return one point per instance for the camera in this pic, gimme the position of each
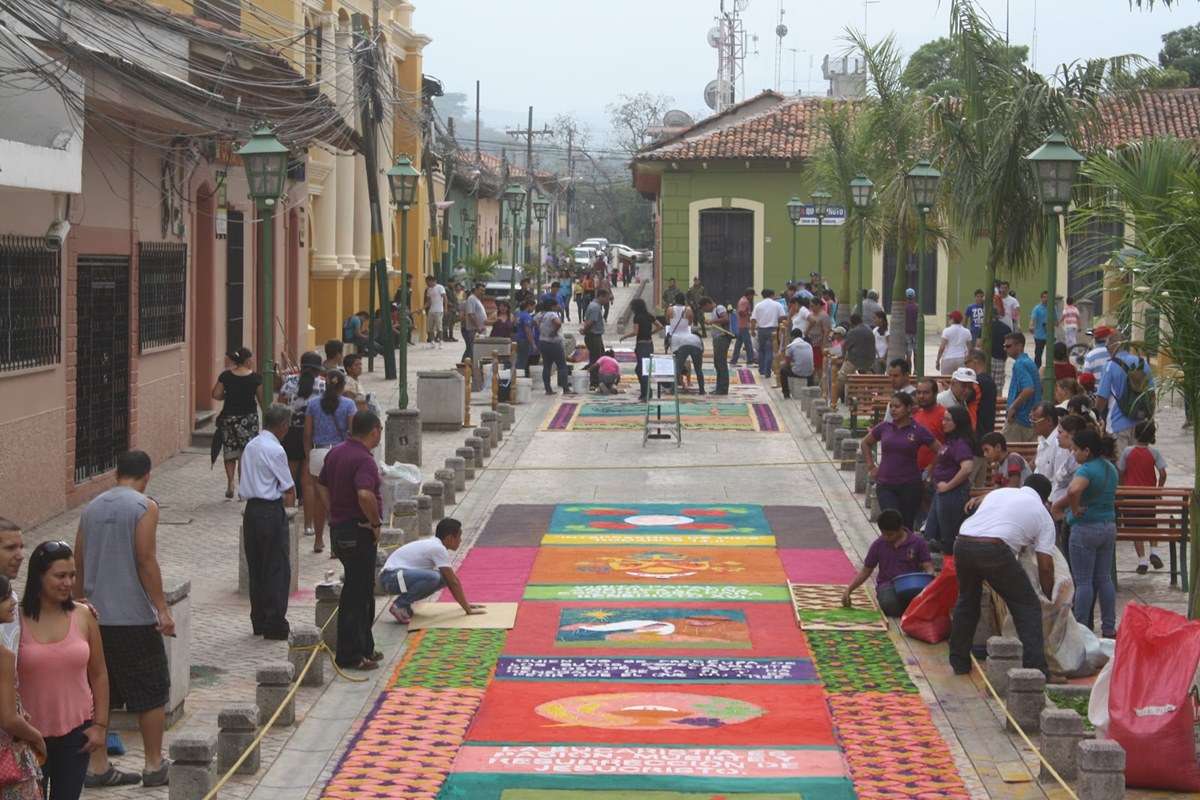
(56, 234)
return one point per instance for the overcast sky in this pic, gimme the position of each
(578, 55)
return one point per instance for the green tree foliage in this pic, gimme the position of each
(934, 68)
(1181, 51)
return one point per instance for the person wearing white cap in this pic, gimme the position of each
(963, 391)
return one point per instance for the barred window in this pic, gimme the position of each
(30, 303)
(162, 295)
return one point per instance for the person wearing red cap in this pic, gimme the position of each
(1096, 361)
(956, 343)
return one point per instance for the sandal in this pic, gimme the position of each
(318, 548)
(111, 777)
(364, 665)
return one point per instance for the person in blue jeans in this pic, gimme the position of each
(1090, 504)
(1037, 326)
(418, 569)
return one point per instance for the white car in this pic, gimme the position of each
(583, 257)
(497, 286)
(625, 251)
(597, 243)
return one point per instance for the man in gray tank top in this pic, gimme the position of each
(118, 573)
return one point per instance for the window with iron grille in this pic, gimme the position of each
(162, 296)
(30, 304)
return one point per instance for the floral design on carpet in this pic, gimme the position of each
(647, 711)
(449, 658)
(842, 619)
(893, 748)
(407, 745)
(659, 565)
(818, 596)
(655, 627)
(858, 661)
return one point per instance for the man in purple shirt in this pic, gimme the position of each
(898, 551)
(349, 488)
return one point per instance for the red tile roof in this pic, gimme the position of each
(1151, 114)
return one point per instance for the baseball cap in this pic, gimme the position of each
(311, 359)
(965, 375)
(839, 331)
(956, 316)
(910, 292)
(1103, 332)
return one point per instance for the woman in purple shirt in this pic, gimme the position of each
(952, 479)
(898, 482)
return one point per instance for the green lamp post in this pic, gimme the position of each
(862, 193)
(265, 159)
(922, 183)
(402, 180)
(514, 195)
(541, 207)
(1055, 165)
(795, 209)
(820, 201)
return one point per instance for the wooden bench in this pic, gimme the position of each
(1157, 514)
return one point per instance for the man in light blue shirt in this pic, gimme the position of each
(797, 363)
(1112, 385)
(1024, 391)
(1037, 326)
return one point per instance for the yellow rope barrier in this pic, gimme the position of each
(1017, 726)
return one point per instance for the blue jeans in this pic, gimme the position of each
(523, 356)
(419, 583)
(766, 351)
(742, 340)
(946, 516)
(1093, 547)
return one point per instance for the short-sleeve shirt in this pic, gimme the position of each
(894, 561)
(720, 316)
(436, 297)
(428, 553)
(1012, 311)
(240, 391)
(975, 315)
(910, 317)
(348, 468)
(1112, 386)
(1139, 465)
(1096, 361)
(931, 420)
(958, 341)
(1012, 465)
(767, 314)
(1024, 376)
(950, 459)
(1039, 321)
(594, 316)
(1100, 496)
(607, 365)
(330, 429)
(548, 332)
(524, 325)
(1018, 517)
(476, 318)
(743, 313)
(801, 354)
(898, 447)
(1070, 317)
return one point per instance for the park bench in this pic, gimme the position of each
(1157, 514)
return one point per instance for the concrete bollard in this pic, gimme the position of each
(873, 508)
(301, 641)
(508, 415)
(1062, 731)
(1026, 699)
(491, 421)
(823, 428)
(237, 726)
(193, 771)
(404, 517)
(424, 516)
(274, 683)
(328, 593)
(815, 411)
(476, 444)
(848, 451)
(1101, 770)
(860, 469)
(391, 538)
(437, 507)
(485, 435)
(1004, 653)
(446, 478)
(402, 436)
(467, 454)
(381, 557)
(460, 472)
(832, 423)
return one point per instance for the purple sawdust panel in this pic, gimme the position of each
(515, 526)
(804, 527)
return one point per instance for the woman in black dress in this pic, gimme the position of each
(644, 327)
(238, 387)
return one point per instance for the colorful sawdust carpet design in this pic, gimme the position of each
(448, 658)
(858, 661)
(693, 415)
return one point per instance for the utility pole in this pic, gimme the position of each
(477, 122)
(529, 133)
(570, 177)
(370, 111)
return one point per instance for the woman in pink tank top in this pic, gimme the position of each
(64, 682)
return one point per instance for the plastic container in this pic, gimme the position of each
(911, 584)
(524, 390)
(580, 381)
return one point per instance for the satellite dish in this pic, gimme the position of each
(781, 30)
(677, 119)
(715, 90)
(714, 37)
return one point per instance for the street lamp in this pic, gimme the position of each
(541, 206)
(1055, 165)
(820, 201)
(402, 180)
(515, 196)
(922, 183)
(795, 209)
(862, 193)
(265, 159)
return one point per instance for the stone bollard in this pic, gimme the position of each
(301, 641)
(1026, 699)
(485, 435)
(437, 507)
(460, 472)
(832, 423)
(872, 505)
(328, 593)
(815, 411)
(860, 469)
(193, 772)
(1062, 731)
(274, 683)
(824, 427)
(237, 726)
(404, 517)
(476, 444)
(424, 516)
(446, 478)
(807, 395)
(391, 538)
(848, 451)
(402, 436)
(508, 415)
(1101, 770)
(467, 454)
(381, 557)
(1004, 653)
(491, 421)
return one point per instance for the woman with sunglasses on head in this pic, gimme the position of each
(16, 733)
(61, 670)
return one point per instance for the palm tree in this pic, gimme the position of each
(479, 267)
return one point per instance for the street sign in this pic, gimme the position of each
(834, 215)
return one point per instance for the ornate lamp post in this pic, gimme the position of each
(1055, 164)
(266, 160)
(820, 201)
(922, 182)
(514, 195)
(541, 206)
(795, 209)
(402, 180)
(862, 193)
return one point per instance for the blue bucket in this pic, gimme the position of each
(910, 584)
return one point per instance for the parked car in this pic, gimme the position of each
(645, 255)
(598, 243)
(497, 286)
(624, 251)
(583, 256)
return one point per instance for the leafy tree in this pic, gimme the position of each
(632, 115)
(934, 68)
(1181, 50)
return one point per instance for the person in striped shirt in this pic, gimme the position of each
(1096, 361)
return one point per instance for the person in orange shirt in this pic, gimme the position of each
(928, 414)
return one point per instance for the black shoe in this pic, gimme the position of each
(1156, 561)
(1142, 569)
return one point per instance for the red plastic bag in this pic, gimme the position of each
(928, 616)
(1150, 711)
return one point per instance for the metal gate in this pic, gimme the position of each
(235, 281)
(102, 364)
(726, 253)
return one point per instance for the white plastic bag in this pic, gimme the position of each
(399, 482)
(1098, 703)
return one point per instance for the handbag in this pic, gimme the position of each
(11, 772)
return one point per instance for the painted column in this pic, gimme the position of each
(362, 216)
(345, 163)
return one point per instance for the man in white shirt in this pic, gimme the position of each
(765, 320)
(797, 363)
(267, 486)
(418, 569)
(474, 320)
(1012, 307)
(1004, 522)
(802, 315)
(1051, 456)
(435, 311)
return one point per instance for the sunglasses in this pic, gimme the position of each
(52, 550)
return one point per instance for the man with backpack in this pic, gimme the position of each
(1127, 391)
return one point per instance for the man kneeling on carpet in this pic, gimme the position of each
(418, 569)
(898, 551)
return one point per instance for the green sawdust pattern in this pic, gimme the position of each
(858, 661)
(839, 616)
(449, 659)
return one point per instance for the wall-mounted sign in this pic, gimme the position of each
(834, 215)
